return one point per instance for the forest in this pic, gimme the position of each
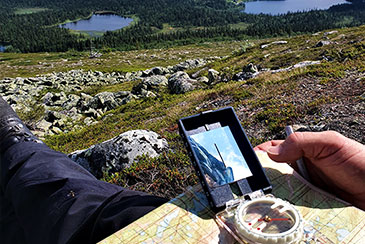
(196, 21)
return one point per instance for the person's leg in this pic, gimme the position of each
(53, 199)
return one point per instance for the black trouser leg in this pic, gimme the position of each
(54, 200)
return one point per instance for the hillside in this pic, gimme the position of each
(315, 82)
(33, 25)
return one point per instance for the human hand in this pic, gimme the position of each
(334, 162)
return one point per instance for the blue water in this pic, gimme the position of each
(99, 22)
(275, 7)
(2, 49)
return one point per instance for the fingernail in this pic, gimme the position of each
(274, 150)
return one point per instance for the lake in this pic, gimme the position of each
(2, 49)
(99, 23)
(275, 7)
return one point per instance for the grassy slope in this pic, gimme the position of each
(31, 64)
(264, 104)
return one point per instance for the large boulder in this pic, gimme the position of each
(105, 101)
(180, 82)
(54, 99)
(150, 84)
(189, 64)
(120, 152)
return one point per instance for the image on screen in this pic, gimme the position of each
(219, 156)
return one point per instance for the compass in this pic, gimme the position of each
(269, 220)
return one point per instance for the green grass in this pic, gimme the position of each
(31, 64)
(264, 104)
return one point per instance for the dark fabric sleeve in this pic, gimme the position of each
(54, 200)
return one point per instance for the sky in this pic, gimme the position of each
(228, 148)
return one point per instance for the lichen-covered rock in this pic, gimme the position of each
(213, 76)
(180, 82)
(323, 43)
(248, 72)
(120, 152)
(189, 64)
(150, 84)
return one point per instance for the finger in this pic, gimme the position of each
(306, 144)
(264, 146)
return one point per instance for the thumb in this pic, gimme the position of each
(306, 144)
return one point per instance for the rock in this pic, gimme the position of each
(203, 79)
(298, 65)
(180, 82)
(88, 121)
(213, 76)
(322, 43)
(56, 130)
(48, 99)
(189, 64)
(330, 33)
(153, 83)
(72, 101)
(73, 114)
(305, 63)
(85, 96)
(91, 113)
(251, 68)
(128, 76)
(54, 99)
(147, 73)
(106, 100)
(248, 72)
(44, 125)
(120, 152)
(52, 116)
(159, 71)
(273, 43)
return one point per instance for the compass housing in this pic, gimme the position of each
(269, 220)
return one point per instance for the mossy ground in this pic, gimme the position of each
(317, 94)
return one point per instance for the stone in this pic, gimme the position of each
(147, 73)
(298, 65)
(248, 72)
(91, 113)
(159, 71)
(189, 64)
(48, 99)
(250, 68)
(128, 76)
(72, 101)
(120, 152)
(305, 63)
(88, 121)
(153, 83)
(213, 76)
(323, 43)
(44, 125)
(107, 100)
(203, 79)
(330, 33)
(180, 82)
(56, 130)
(273, 43)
